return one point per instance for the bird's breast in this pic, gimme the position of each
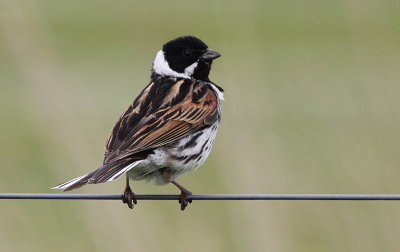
(191, 152)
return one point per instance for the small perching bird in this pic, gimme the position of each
(169, 128)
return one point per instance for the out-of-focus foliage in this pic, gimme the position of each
(312, 106)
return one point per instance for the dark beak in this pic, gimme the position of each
(210, 55)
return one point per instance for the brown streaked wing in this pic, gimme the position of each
(131, 116)
(171, 123)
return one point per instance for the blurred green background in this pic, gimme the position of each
(312, 105)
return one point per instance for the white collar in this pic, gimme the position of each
(161, 67)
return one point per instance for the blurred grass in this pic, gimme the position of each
(312, 106)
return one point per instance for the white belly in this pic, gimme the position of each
(182, 156)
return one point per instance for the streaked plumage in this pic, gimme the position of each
(170, 127)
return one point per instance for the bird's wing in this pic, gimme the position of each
(162, 115)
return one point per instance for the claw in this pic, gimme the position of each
(129, 197)
(184, 201)
(184, 192)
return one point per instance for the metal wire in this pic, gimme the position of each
(203, 196)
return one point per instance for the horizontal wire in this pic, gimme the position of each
(203, 196)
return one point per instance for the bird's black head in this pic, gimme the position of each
(185, 56)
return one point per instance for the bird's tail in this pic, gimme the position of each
(107, 172)
(75, 183)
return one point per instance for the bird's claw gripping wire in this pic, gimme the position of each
(129, 197)
(184, 201)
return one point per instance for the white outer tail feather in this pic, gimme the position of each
(69, 183)
(124, 170)
(76, 180)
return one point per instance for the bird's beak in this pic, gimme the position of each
(210, 55)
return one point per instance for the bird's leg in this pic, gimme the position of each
(129, 196)
(184, 193)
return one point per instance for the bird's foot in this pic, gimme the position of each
(183, 199)
(129, 197)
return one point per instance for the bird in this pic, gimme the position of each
(170, 128)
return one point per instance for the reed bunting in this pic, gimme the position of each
(169, 128)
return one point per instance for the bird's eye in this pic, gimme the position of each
(188, 53)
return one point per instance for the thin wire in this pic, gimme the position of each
(204, 196)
